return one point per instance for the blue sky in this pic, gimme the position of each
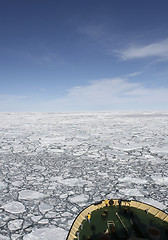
(87, 55)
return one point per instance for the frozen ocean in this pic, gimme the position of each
(52, 165)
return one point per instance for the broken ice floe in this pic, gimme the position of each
(43, 207)
(17, 183)
(14, 207)
(3, 237)
(132, 180)
(3, 185)
(78, 198)
(43, 221)
(72, 181)
(131, 192)
(160, 180)
(46, 234)
(30, 194)
(36, 218)
(14, 225)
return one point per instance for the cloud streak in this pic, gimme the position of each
(113, 94)
(158, 49)
(116, 94)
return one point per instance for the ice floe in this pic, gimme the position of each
(14, 207)
(43, 207)
(78, 198)
(2, 185)
(72, 181)
(46, 234)
(131, 192)
(132, 180)
(3, 237)
(36, 218)
(160, 180)
(30, 194)
(43, 221)
(14, 225)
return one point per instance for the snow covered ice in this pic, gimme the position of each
(52, 165)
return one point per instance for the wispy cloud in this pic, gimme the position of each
(38, 55)
(44, 59)
(101, 95)
(157, 49)
(113, 94)
(99, 34)
(134, 74)
(113, 44)
(94, 32)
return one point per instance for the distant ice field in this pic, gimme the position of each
(52, 165)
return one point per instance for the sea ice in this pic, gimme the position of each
(30, 194)
(72, 181)
(43, 221)
(43, 207)
(103, 174)
(78, 198)
(2, 185)
(16, 236)
(67, 161)
(51, 214)
(46, 234)
(160, 180)
(14, 207)
(17, 183)
(132, 180)
(3, 237)
(36, 218)
(66, 214)
(131, 192)
(14, 225)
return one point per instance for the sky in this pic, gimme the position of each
(87, 55)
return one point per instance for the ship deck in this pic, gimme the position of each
(123, 222)
(99, 224)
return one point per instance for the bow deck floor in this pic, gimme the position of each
(129, 222)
